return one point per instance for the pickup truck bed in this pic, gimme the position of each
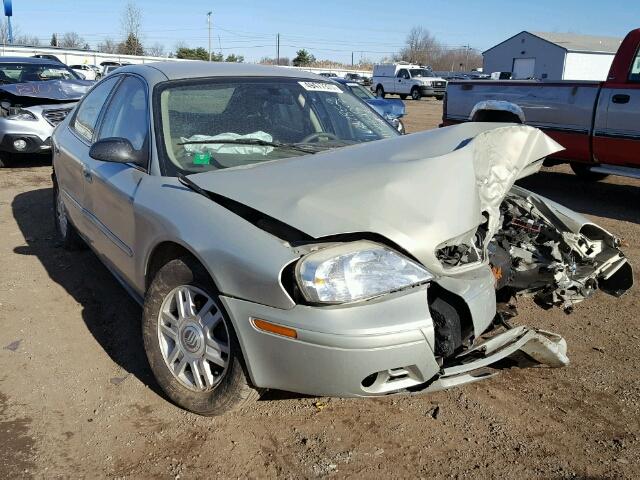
(598, 123)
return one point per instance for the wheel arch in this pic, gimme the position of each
(497, 111)
(165, 251)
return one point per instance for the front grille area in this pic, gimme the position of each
(55, 116)
(439, 84)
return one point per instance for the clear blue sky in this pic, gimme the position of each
(329, 28)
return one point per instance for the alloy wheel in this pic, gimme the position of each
(193, 338)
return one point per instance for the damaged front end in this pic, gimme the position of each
(553, 254)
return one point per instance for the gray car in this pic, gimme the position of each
(281, 235)
(35, 95)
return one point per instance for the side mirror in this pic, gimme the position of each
(117, 150)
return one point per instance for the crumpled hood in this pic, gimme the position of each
(394, 108)
(416, 190)
(50, 89)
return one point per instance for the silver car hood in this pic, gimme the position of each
(417, 190)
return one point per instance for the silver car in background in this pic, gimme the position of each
(281, 235)
(35, 95)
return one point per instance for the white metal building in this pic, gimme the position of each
(552, 56)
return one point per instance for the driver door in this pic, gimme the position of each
(403, 80)
(111, 188)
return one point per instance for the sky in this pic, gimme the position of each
(329, 29)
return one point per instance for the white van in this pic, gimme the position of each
(405, 79)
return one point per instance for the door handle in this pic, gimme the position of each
(620, 98)
(87, 175)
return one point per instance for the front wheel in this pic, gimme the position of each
(583, 171)
(415, 94)
(190, 342)
(439, 97)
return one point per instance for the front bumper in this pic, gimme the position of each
(374, 348)
(430, 91)
(34, 144)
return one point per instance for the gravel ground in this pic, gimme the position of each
(77, 398)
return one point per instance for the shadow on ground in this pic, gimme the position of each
(604, 199)
(108, 311)
(110, 314)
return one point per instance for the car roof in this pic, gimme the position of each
(199, 69)
(47, 61)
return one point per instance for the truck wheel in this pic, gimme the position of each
(65, 231)
(415, 93)
(190, 342)
(583, 171)
(380, 91)
(403, 96)
(439, 97)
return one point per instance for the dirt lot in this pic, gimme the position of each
(77, 398)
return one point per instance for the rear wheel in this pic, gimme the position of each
(380, 91)
(584, 171)
(415, 93)
(190, 342)
(65, 231)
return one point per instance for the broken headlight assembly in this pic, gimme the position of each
(356, 271)
(465, 249)
(20, 114)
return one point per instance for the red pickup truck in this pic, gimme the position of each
(598, 123)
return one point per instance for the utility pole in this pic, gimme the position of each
(209, 25)
(278, 49)
(466, 62)
(351, 59)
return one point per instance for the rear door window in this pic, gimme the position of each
(86, 117)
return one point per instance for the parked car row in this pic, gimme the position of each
(281, 234)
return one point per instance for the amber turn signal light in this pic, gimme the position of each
(273, 328)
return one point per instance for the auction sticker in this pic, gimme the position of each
(320, 87)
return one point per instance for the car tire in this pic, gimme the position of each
(5, 160)
(66, 233)
(380, 91)
(207, 393)
(403, 96)
(584, 172)
(439, 97)
(415, 93)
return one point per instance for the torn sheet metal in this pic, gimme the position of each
(472, 365)
(558, 258)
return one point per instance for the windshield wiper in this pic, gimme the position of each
(255, 142)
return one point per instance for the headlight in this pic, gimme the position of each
(356, 271)
(20, 114)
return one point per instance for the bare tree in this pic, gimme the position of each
(71, 40)
(155, 50)
(421, 47)
(4, 32)
(131, 22)
(30, 40)
(108, 46)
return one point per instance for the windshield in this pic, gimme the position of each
(220, 123)
(360, 91)
(421, 72)
(35, 72)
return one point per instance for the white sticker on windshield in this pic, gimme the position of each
(320, 87)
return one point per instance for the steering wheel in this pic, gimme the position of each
(318, 135)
